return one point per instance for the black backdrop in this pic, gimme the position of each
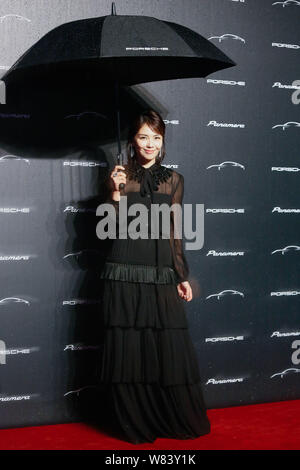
(235, 138)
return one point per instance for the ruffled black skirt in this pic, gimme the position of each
(148, 365)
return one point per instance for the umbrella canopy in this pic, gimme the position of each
(129, 49)
(123, 49)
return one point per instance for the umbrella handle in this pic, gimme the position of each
(121, 162)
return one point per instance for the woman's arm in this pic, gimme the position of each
(109, 199)
(179, 259)
(112, 195)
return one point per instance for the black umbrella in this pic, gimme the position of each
(125, 49)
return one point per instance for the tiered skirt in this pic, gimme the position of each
(148, 364)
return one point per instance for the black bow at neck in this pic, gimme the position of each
(149, 178)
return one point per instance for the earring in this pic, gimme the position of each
(158, 158)
(131, 151)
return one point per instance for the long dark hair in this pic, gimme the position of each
(154, 120)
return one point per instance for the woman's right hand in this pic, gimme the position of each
(117, 176)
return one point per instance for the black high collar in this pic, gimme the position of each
(153, 175)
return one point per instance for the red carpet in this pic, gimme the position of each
(268, 426)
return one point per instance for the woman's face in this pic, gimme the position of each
(147, 144)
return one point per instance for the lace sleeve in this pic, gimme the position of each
(179, 260)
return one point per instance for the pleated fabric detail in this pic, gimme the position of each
(128, 304)
(148, 363)
(146, 412)
(149, 356)
(138, 273)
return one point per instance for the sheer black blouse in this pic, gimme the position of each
(159, 260)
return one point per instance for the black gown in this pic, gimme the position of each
(149, 365)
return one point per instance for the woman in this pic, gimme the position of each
(149, 363)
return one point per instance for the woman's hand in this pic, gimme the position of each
(116, 177)
(185, 291)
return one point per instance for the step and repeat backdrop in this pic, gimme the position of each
(234, 136)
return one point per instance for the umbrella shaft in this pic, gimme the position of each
(118, 115)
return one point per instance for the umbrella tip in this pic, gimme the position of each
(113, 8)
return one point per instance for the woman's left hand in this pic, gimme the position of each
(185, 291)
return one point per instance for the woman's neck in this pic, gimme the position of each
(147, 164)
